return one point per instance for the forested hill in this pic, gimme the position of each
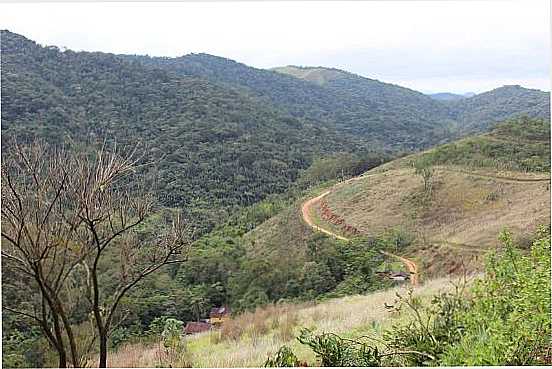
(228, 134)
(396, 116)
(480, 112)
(221, 148)
(470, 114)
(393, 115)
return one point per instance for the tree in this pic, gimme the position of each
(64, 216)
(426, 171)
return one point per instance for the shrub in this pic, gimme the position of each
(157, 326)
(174, 353)
(430, 330)
(509, 320)
(172, 333)
(283, 358)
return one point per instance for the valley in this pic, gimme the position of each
(320, 206)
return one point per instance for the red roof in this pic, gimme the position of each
(196, 327)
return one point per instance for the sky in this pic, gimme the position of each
(429, 46)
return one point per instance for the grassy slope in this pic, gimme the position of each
(465, 214)
(467, 210)
(261, 333)
(481, 185)
(317, 75)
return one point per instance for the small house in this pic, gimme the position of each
(196, 327)
(219, 315)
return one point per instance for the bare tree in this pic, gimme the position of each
(61, 214)
(38, 233)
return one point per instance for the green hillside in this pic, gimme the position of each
(480, 112)
(520, 145)
(471, 189)
(468, 115)
(215, 148)
(391, 115)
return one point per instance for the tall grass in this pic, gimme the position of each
(248, 339)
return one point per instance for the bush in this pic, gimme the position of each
(333, 350)
(430, 330)
(283, 358)
(172, 333)
(509, 320)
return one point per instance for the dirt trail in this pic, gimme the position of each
(307, 207)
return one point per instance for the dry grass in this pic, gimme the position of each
(277, 318)
(136, 355)
(463, 218)
(248, 339)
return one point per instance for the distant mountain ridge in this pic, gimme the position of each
(480, 112)
(395, 116)
(390, 115)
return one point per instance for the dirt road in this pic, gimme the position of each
(308, 207)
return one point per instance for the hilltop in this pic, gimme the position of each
(480, 112)
(318, 75)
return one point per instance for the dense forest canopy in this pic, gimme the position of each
(391, 115)
(215, 148)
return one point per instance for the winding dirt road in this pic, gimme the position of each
(307, 209)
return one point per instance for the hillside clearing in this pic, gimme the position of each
(262, 332)
(467, 209)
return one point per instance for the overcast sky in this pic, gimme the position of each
(431, 46)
